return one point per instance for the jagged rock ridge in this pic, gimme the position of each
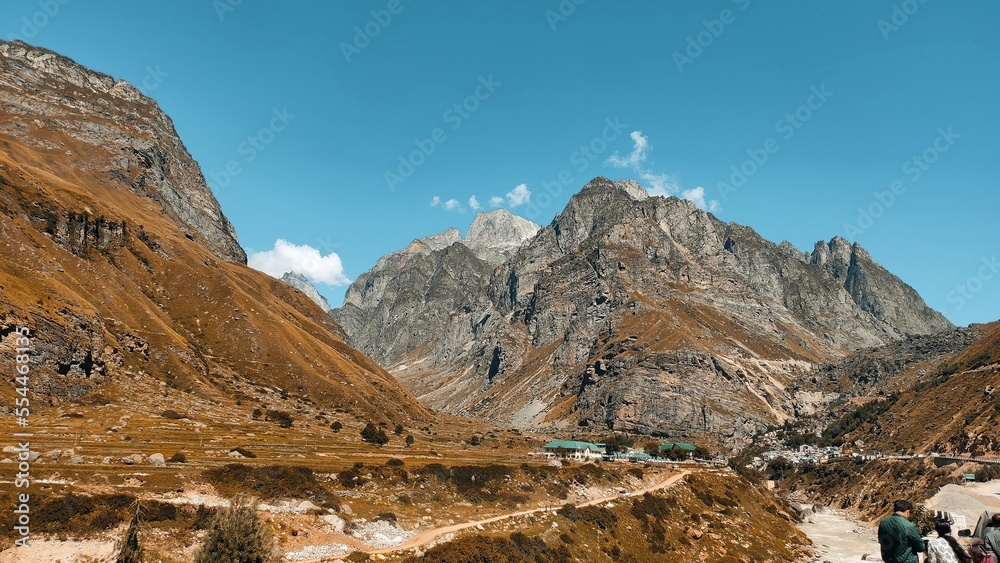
(627, 311)
(110, 247)
(299, 282)
(47, 98)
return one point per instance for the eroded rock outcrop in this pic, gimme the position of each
(627, 311)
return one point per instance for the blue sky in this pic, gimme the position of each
(872, 120)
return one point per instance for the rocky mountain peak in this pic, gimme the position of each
(113, 133)
(495, 235)
(299, 282)
(641, 313)
(632, 188)
(439, 241)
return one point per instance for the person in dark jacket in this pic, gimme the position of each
(898, 537)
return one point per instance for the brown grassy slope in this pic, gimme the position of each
(706, 517)
(949, 409)
(106, 301)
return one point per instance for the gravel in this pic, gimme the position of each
(317, 551)
(382, 534)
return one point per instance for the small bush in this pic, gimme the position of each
(409, 440)
(178, 458)
(475, 440)
(257, 413)
(394, 462)
(374, 435)
(350, 479)
(172, 415)
(336, 426)
(237, 535)
(398, 429)
(270, 482)
(283, 419)
(244, 452)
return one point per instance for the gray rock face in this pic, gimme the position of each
(299, 282)
(627, 312)
(496, 235)
(116, 133)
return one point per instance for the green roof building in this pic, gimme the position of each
(573, 449)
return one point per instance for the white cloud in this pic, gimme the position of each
(451, 204)
(640, 149)
(697, 195)
(474, 203)
(657, 184)
(518, 196)
(496, 201)
(306, 260)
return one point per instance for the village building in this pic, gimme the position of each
(572, 449)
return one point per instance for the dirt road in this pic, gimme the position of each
(427, 536)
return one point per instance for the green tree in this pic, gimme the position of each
(652, 448)
(617, 443)
(374, 435)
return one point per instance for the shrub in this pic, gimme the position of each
(475, 440)
(394, 462)
(398, 429)
(374, 435)
(350, 479)
(336, 426)
(517, 548)
(172, 415)
(283, 419)
(409, 440)
(178, 458)
(237, 535)
(257, 413)
(269, 482)
(244, 452)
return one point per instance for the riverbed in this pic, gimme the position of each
(839, 538)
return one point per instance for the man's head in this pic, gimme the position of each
(995, 519)
(902, 506)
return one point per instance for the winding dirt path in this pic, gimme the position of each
(427, 536)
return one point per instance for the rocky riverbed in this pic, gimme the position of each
(839, 538)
